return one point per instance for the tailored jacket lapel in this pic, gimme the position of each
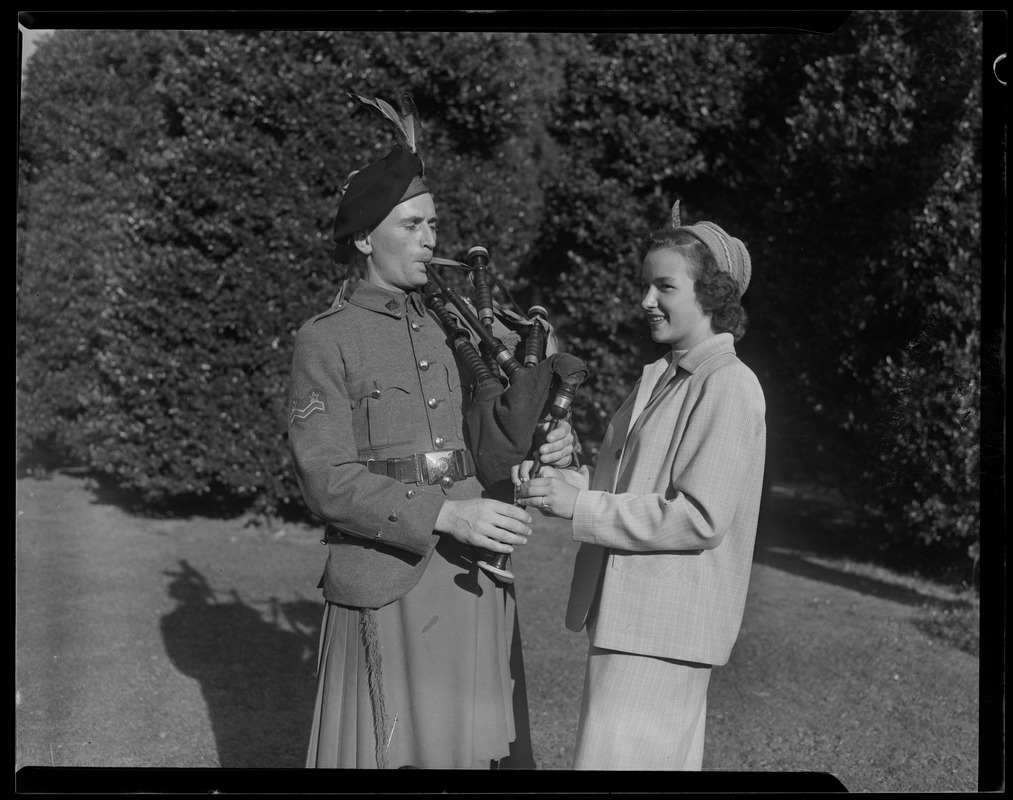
(673, 519)
(590, 560)
(648, 390)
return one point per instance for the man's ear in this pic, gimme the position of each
(364, 243)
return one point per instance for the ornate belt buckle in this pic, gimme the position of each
(439, 466)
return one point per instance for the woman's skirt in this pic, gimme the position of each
(641, 713)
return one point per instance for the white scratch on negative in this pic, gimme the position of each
(394, 725)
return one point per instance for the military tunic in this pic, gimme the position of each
(373, 378)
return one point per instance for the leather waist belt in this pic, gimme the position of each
(439, 466)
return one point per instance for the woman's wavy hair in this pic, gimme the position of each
(716, 291)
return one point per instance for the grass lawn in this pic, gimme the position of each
(191, 642)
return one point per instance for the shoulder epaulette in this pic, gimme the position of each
(330, 312)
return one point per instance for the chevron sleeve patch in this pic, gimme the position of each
(302, 407)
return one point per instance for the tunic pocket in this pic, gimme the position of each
(382, 407)
(456, 395)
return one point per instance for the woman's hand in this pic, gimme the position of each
(521, 473)
(553, 492)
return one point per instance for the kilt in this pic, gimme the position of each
(453, 695)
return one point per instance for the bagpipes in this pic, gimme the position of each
(516, 390)
(512, 395)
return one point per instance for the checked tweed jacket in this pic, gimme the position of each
(668, 524)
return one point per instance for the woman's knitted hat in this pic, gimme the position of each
(729, 252)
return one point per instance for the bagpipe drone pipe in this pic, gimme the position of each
(520, 391)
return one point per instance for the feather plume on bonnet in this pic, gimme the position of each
(729, 252)
(371, 193)
(405, 124)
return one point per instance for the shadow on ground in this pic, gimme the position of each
(255, 669)
(797, 533)
(795, 530)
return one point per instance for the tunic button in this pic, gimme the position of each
(432, 402)
(423, 364)
(446, 481)
(376, 393)
(415, 325)
(410, 494)
(439, 440)
(393, 516)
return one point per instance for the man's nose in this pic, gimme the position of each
(428, 237)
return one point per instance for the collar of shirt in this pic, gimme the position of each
(659, 374)
(711, 346)
(672, 359)
(385, 301)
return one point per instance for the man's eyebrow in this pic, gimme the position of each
(419, 218)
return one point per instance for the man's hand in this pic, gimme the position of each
(557, 449)
(487, 524)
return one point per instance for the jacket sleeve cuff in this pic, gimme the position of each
(409, 522)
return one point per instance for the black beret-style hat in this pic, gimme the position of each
(374, 191)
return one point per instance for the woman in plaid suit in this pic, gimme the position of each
(667, 519)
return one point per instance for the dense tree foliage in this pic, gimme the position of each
(635, 126)
(851, 166)
(872, 239)
(178, 189)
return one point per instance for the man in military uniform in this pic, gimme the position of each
(419, 661)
